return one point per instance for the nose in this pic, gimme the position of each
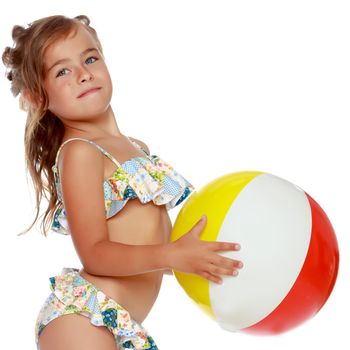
(85, 75)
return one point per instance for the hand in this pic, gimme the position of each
(189, 254)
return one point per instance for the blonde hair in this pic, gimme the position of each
(43, 130)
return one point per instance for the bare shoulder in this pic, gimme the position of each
(82, 152)
(141, 143)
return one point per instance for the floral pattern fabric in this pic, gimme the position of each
(148, 178)
(71, 293)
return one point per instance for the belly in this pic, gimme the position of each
(136, 224)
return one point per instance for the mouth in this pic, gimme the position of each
(89, 91)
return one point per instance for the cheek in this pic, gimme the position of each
(109, 81)
(105, 74)
(59, 98)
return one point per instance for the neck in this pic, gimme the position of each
(103, 126)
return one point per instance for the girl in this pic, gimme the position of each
(105, 189)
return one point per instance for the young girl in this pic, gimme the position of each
(105, 189)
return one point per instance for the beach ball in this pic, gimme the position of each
(288, 248)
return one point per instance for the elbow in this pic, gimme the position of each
(90, 267)
(90, 271)
(101, 259)
(92, 262)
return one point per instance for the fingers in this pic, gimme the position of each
(203, 219)
(220, 265)
(216, 264)
(221, 246)
(213, 274)
(227, 267)
(212, 278)
(226, 263)
(215, 270)
(200, 224)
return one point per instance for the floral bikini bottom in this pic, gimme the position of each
(71, 293)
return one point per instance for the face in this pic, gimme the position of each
(77, 80)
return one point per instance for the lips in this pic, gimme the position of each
(89, 91)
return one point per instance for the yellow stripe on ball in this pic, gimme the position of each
(223, 190)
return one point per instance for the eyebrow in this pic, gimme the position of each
(63, 60)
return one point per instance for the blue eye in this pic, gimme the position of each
(91, 58)
(61, 72)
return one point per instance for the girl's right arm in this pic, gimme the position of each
(81, 173)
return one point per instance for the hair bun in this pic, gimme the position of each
(17, 32)
(83, 19)
(6, 56)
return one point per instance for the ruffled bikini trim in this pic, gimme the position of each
(154, 181)
(138, 177)
(79, 295)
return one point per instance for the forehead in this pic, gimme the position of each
(68, 46)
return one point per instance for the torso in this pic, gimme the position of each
(135, 224)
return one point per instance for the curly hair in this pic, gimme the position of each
(44, 131)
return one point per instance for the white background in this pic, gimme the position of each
(212, 87)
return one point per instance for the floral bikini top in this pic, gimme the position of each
(146, 177)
